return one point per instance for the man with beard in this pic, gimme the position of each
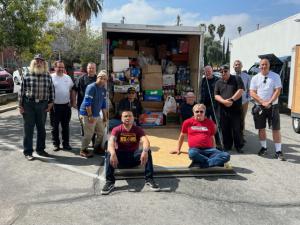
(35, 100)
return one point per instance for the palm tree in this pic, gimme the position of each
(211, 30)
(239, 30)
(82, 10)
(221, 30)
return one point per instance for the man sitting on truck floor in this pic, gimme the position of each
(123, 151)
(265, 89)
(200, 132)
(130, 102)
(186, 108)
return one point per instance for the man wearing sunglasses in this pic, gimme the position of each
(200, 132)
(265, 89)
(228, 93)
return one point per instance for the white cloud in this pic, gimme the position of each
(141, 12)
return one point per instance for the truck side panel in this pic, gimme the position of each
(296, 87)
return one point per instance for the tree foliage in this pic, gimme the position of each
(211, 30)
(82, 10)
(221, 30)
(239, 29)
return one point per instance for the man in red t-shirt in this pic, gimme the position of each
(124, 152)
(200, 132)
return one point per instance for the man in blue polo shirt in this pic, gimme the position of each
(94, 101)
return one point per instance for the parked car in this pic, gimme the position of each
(16, 75)
(6, 81)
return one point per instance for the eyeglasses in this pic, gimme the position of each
(223, 71)
(199, 111)
(265, 80)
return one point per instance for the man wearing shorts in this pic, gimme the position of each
(264, 89)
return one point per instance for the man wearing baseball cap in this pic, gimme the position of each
(94, 101)
(131, 103)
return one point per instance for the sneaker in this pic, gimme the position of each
(279, 155)
(262, 151)
(151, 183)
(67, 147)
(43, 153)
(29, 157)
(85, 153)
(56, 148)
(227, 165)
(107, 188)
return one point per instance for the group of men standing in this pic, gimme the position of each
(227, 99)
(224, 101)
(56, 93)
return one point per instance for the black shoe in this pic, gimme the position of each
(29, 157)
(262, 151)
(43, 153)
(279, 155)
(67, 147)
(151, 183)
(56, 148)
(107, 188)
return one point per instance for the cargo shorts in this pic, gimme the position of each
(270, 115)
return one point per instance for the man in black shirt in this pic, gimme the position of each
(228, 93)
(80, 86)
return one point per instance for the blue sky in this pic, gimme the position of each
(231, 13)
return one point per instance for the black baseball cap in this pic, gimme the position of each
(131, 89)
(224, 67)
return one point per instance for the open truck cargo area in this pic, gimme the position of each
(161, 63)
(158, 61)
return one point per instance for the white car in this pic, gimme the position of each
(16, 75)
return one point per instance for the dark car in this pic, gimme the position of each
(6, 81)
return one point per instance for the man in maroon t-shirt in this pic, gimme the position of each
(124, 152)
(200, 132)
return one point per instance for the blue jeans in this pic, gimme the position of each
(128, 160)
(34, 116)
(208, 157)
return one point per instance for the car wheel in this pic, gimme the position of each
(16, 80)
(296, 124)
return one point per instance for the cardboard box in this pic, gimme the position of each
(125, 53)
(124, 88)
(152, 69)
(120, 64)
(168, 79)
(154, 105)
(118, 96)
(146, 51)
(180, 57)
(151, 119)
(152, 82)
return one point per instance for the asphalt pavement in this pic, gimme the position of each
(65, 190)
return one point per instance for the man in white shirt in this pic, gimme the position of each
(237, 66)
(265, 89)
(61, 111)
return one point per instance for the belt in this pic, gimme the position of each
(35, 100)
